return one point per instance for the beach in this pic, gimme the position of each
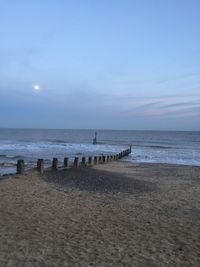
(117, 214)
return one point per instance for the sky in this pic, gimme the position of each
(104, 64)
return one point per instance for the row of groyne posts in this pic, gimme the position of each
(76, 163)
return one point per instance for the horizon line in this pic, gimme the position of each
(95, 129)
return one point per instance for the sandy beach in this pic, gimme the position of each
(118, 214)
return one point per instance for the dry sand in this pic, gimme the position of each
(119, 214)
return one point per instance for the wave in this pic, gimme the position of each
(7, 164)
(57, 141)
(10, 156)
(162, 147)
(13, 157)
(153, 146)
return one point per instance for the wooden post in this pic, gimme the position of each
(66, 162)
(95, 160)
(90, 160)
(76, 162)
(130, 149)
(95, 139)
(100, 159)
(108, 158)
(55, 164)
(20, 166)
(111, 157)
(83, 162)
(40, 165)
(104, 159)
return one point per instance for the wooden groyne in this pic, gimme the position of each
(77, 162)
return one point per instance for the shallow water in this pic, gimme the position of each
(148, 146)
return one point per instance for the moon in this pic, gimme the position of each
(36, 87)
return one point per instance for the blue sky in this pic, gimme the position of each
(100, 64)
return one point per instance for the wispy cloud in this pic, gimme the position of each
(182, 104)
(179, 77)
(184, 112)
(164, 106)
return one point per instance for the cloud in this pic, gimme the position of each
(179, 77)
(182, 104)
(90, 101)
(184, 112)
(81, 105)
(167, 106)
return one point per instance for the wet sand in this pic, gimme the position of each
(118, 214)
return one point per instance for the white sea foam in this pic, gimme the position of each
(183, 157)
(161, 147)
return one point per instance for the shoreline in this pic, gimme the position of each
(124, 160)
(149, 215)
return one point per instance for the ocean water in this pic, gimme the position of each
(147, 146)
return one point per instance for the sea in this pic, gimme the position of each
(174, 147)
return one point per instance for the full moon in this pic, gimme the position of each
(36, 87)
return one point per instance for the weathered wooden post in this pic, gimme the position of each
(104, 159)
(95, 160)
(66, 162)
(83, 162)
(111, 157)
(55, 164)
(20, 166)
(130, 149)
(100, 159)
(90, 160)
(40, 165)
(108, 158)
(76, 162)
(95, 139)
